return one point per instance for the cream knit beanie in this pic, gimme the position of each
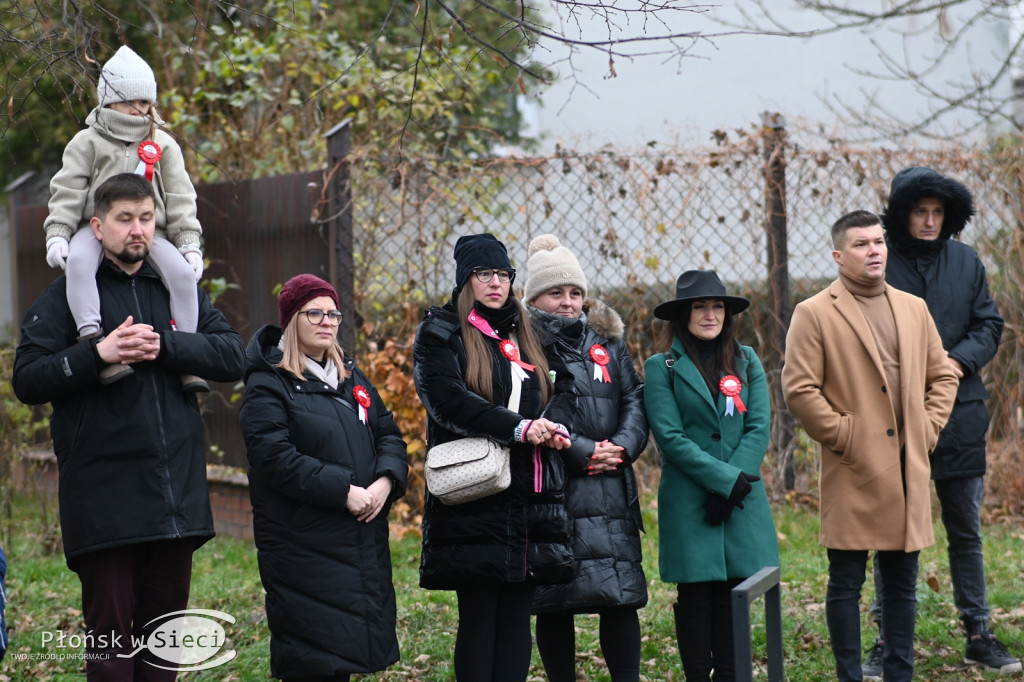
(126, 77)
(551, 265)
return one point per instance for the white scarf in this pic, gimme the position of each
(328, 373)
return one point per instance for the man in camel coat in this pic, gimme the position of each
(867, 377)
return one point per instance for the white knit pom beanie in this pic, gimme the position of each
(551, 265)
(125, 77)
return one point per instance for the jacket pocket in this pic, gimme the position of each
(845, 439)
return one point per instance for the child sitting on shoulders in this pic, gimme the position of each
(123, 136)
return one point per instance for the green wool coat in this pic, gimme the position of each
(703, 450)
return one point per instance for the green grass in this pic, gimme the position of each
(44, 597)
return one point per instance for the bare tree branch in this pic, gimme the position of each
(979, 98)
(50, 53)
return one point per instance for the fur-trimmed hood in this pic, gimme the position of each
(918, 182)
(603, 319)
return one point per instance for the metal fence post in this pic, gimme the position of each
(766, 582)
(18, 191)
(783, 437)
(341, 267)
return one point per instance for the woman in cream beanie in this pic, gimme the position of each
(551, 265)
(610, 432)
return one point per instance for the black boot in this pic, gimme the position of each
(723, 652)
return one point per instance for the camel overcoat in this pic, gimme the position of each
(834, 384)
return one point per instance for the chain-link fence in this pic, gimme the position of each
(632, 220)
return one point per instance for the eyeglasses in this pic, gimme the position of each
(316, 316)
(504, 276)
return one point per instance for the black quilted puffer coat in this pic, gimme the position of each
(604, 508)
(950, 277)
(521, 533)
(327, 575)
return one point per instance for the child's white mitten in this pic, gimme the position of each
(57, 252)
(195, 259)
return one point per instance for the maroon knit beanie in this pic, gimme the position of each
(298, 291)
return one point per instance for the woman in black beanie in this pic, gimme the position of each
(471, 356)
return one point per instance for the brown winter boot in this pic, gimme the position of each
(190, 383)
(110, 373)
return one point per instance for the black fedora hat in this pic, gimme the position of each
(697, 285)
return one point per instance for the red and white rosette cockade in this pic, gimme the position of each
(362, 397)
(149, 153)
(730, 387)
(600, 357)
(511, 351)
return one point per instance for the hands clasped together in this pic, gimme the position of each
(718, 509)
(129, 343)
(366, 503)
(607, 457)
(547, 433)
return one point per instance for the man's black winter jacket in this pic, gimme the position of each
(131, 454)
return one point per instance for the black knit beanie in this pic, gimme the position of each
(476, 251)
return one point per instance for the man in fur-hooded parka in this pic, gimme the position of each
(926, 213)
(950, 277)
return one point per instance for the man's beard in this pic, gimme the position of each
(128, 256)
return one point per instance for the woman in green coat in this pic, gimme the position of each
(707, 403)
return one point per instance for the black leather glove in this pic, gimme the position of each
(741, 489)
(717, 510)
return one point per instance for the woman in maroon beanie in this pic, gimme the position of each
(326, 461)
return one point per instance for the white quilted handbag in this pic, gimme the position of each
(467, 469)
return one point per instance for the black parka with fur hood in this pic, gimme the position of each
(605, 508)
(950, 277)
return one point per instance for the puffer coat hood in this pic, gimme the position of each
(605, 508)
(918, 182)
(327, 575)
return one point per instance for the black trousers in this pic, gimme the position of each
(494, 643)
(123, 589)
(704, 630)
(620, 644)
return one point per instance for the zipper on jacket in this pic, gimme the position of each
(160, 425)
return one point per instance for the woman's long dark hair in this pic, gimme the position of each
(478, 357)
(722, 361)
